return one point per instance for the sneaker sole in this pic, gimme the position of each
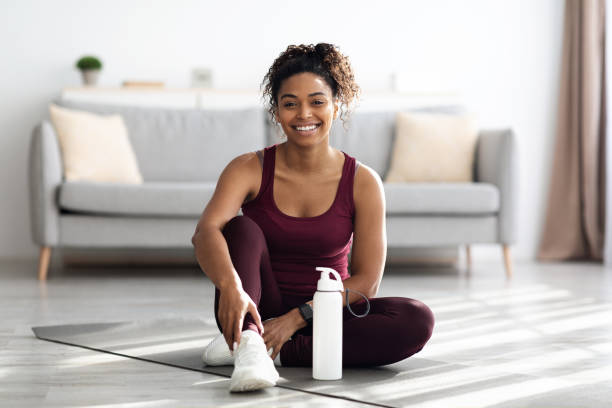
(248, 381)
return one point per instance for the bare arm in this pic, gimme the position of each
(370, 235)
(235, 184)
(210, 246)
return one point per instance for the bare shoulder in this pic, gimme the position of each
(245, 162)
(246, 168)
(238, 181)
(368, 185)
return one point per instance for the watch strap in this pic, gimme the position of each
(306, 312)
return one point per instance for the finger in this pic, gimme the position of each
(226, 335)
(229, 334)
(238, 331)
(226, 324)
(256, 316)
(269, 344)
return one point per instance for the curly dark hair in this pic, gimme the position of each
(322, 59)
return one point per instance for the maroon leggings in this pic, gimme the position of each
(395, 328)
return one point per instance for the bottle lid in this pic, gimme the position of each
(326, 284)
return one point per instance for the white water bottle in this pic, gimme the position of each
(327, 327)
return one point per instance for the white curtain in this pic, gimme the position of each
(608, 90)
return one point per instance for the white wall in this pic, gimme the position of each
(503, 56)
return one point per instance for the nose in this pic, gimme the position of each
(304, 111)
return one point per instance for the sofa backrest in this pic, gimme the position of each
(196, 144)
(368, 135)
(185, 144)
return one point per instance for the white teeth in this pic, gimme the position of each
(306, 128)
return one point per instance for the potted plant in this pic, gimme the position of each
(90, 67)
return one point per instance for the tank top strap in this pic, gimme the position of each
(345, 189)
(267, 176)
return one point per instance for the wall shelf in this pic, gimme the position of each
(210, 98)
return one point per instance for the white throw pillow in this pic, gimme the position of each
(94, 147)
(433, 147)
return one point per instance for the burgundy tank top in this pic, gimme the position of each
(297, 245)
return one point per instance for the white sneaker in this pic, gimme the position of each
(217, 353)
(253, 367)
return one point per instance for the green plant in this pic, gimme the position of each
(88, 62)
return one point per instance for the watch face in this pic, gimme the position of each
(306, 312)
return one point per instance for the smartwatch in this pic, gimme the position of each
(306, 312)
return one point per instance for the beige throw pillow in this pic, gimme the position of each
(94, 147)
(433, 147)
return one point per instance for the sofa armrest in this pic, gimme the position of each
(497, 163)
(45, 176)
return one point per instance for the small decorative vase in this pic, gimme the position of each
(90, 76)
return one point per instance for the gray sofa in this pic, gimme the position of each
(182, 152)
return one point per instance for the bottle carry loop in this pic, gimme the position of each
(348, 306)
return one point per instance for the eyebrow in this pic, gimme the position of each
(293, 96)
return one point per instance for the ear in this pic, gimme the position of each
(336, 108)
(276, 115)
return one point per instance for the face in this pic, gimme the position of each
(306, 108)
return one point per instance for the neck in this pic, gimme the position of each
(306, 159)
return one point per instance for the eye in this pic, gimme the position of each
(288, 104)
(318, 102)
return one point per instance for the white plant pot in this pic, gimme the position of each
(90, 76)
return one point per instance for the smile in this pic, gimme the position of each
(306, 128)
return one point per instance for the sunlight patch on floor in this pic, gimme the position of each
(435, 382)
(435, 348)
(603, 319)
(136, 352)
(210, 381)
(143, 404)
(601, 347)
(496, 395)
(464, 319)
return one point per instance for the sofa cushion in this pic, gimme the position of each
(166, 199)
(94, 147)
(441, 198)
(185, 144)
(369, 135)
(433, 147)
(188, 199)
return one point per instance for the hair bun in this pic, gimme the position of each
(323, 49)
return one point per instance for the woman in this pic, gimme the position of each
(304, 204)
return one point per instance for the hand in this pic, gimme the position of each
(278, 330)
(234, 303)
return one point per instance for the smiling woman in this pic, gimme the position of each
(306, 108)
(323, 60)
(305, 205)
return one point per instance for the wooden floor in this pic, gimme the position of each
(543, 339)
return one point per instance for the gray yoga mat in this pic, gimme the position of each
(179, 342)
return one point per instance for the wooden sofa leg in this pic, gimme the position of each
(507, 261)
(43, 262)
(468, 256)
